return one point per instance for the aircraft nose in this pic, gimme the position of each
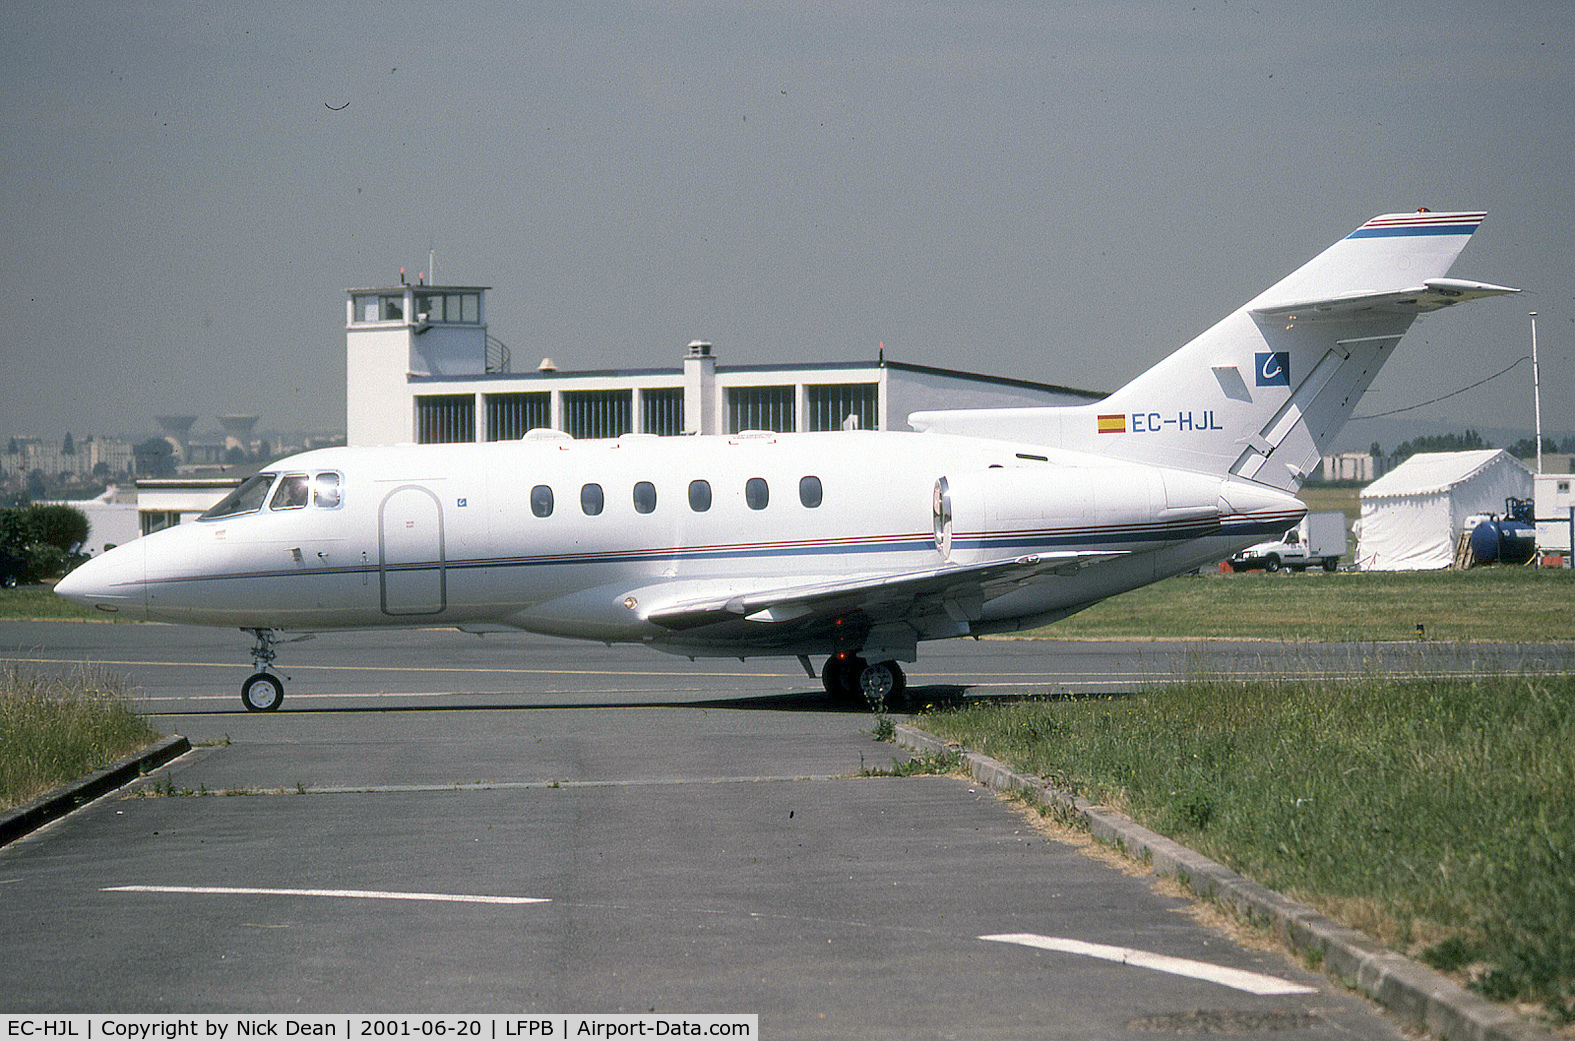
(113, 582)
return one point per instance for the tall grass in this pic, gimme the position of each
(1509, 604)
(53, 729)
(1438, 815)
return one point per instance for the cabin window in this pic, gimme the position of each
(541, 501)
(291, 493)
(644, 497)
(809, 492)
(591, 499)
(757, 493)
(248, 498)
(325, 491)
(699, 496)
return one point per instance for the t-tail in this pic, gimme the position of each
(1262, 394)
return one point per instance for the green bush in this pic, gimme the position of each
(46, 535)
(58, 525)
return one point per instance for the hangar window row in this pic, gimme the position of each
(589, 415)
(757, 496)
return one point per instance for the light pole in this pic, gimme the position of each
(1536, 390)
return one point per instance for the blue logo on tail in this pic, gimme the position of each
(1274, 369)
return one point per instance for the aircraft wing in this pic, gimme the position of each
(945, 591)
(1431, 295)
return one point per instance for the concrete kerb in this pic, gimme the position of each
(1410, 990)
(31, 816)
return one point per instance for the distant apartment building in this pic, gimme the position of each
(1349, 466)
(23, 455)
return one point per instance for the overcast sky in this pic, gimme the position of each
(1055, 192)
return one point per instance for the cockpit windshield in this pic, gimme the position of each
(248, 498)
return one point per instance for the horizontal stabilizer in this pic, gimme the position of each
(1431, 295)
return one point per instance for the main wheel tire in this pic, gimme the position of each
(883, 685)
(262, 692)
(1272, 564)
(1331, 563)
(840, 676)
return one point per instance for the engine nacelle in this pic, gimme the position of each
(1004, 511)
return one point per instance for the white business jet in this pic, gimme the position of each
(854, 545)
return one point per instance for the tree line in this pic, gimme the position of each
(1468, 440)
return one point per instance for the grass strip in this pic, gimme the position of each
(1436, 815)
(1502, 604)
(40, 604)
(55, 729)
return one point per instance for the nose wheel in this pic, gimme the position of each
(262, 692)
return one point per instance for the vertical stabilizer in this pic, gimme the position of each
(1261, 394)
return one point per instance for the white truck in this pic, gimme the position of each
(1318, 541)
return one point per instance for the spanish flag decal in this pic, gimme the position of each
(1113, 424)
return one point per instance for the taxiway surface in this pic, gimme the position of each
(681, 837)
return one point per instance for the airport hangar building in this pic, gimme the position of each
(422, 368)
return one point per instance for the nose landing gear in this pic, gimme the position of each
(262, 691)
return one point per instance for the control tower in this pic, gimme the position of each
(395, 335)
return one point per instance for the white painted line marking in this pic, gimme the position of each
(354, 894)
(1237, 979)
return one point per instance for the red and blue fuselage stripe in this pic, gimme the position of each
(1006, 543)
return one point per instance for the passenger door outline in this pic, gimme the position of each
(412, 569)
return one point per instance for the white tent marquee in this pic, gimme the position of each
(1412, 515)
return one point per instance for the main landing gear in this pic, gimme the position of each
(262, 691)
(881, 685)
